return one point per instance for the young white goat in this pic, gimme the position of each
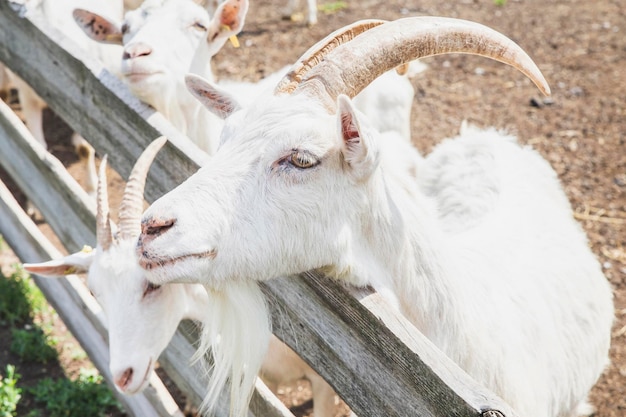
(481, 250)
(163, 42)
(143, 317)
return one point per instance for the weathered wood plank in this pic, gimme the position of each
(302, 303)
(67, 207)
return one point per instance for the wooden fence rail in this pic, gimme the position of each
(373, 357)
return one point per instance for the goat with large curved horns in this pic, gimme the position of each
(477, 247)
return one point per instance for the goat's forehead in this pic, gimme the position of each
(150, 6)
(168, 12)
(286, 119)
(116, 269)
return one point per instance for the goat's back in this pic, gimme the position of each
(542, 309)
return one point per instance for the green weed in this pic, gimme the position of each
(85, 396)
(332, 7)
(33, 345)
(20, 299)
(10, 394)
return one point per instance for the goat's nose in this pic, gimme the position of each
(124, 380)
(152, 227)
(135, 50)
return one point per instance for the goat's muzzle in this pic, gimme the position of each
(151, 228)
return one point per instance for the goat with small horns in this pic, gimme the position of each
(141, 317)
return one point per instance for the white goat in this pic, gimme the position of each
(162, 43)
(143, 317)
(163, 40)
(481, 251)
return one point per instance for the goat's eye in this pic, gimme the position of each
(150, 288)
(124, 29)
(199, 26)
(302, 159)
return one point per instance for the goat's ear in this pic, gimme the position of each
(228, 21)
(357, 148)
(98, 28)
(75, 263)
(211, 96)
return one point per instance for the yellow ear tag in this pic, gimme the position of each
(86, 249)
(69, 270)
(233, 39)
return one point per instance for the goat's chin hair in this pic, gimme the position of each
(236, 330)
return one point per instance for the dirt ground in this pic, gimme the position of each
(579, 45)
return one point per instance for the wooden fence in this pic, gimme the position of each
(398, 371)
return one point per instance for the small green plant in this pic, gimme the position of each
(20, 299)
(332, 7)
(32, 344)
(85, 396)
(10, 394)
(14, 306)
(499, 2)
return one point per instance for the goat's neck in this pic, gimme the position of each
(188, 115)
(201, 61)
(401, 251)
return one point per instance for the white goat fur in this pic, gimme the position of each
(481, 251)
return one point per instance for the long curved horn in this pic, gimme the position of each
(131, 206)
(104, 236)
(349, 68)
(315, 54)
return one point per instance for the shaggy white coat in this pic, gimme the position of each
(481, 250)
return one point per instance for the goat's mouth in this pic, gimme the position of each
(140, 75)
(150, 262)
(136, 70)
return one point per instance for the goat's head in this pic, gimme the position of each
(291, 181)
(142, 317)
(161, 38)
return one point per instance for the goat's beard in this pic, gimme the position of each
(236, 330)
